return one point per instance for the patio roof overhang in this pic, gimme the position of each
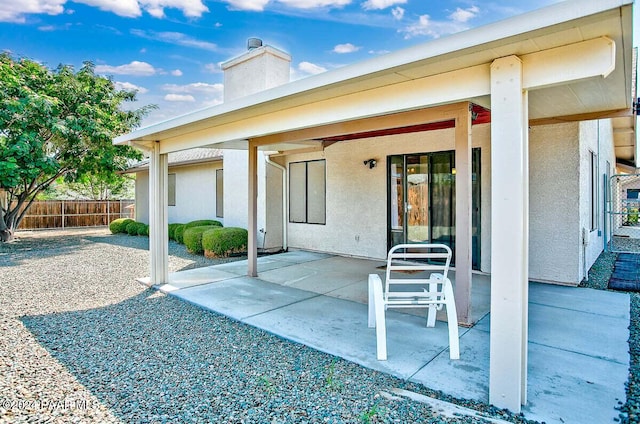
(569, 61)
(552, 42)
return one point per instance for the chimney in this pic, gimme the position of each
(261, 67)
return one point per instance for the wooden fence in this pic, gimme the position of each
(76, 213)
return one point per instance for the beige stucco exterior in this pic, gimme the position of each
(195, 193)
(569, 62)
(559, 182)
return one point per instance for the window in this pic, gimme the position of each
(307, 192)
(219, 193)
(171, 190)
(593, 188)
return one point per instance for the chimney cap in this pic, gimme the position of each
(253, 43)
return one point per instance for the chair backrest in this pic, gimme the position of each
(404, 260)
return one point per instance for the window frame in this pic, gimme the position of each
(220, 193)
(171, 194)
(309, 195)
(593, 191)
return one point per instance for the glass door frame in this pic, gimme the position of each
(395, 235)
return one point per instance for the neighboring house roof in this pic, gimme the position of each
(445, 70)
(182, 158)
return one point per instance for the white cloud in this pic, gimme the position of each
(398, 13)
(310, 68)
(255, 5)
(312, 4)
(189, 8)
(126, 8)
(176, 73)
(379, 52)
(176, 38)
(133, 68)
(129, 87)
(345, 48)
(193, 88)
(381, 4)
(463, 15)
(179, 98)
(435, 29)
(259, 5)
(15, 11)
(213, 68)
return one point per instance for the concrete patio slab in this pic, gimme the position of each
(578, 360)
(265, 263)
(343, 332)
(567, 387)
(242, 297)
(466, 378)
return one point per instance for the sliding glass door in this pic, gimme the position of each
(422, 197)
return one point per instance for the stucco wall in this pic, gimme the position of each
(195, 193)
(554, 219)
(254, 71)
(356, 196)
(236, 205)
(559, 190)
(596, 136)
(142, 197)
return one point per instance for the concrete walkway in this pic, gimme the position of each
(578, 350)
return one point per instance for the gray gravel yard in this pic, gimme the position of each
(82, 341)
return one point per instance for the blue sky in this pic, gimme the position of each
(170, 50)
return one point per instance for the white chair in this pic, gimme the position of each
(429, 288)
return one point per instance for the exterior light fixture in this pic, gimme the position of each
(371, 162)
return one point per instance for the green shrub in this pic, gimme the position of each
(132, 228)
(203, 222)
(178, 233)
(193, 237)
(143, 229)
(219, 242)
(172, 230)
(119, 225)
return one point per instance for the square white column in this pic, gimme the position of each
(509, 235)
(252, 221)
(158, 215)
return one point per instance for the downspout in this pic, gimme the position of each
(268, 160)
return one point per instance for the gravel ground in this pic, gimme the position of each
(81, 341)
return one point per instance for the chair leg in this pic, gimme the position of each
(375, 291)
(371, 305)
(452, 321)
(432, 310)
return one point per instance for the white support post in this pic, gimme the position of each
(509, 235)
(158, 216)
(252, 243)
(464, 204)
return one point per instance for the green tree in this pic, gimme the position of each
(57, 123)
(92, 187)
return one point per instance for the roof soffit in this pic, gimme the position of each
(609, 23)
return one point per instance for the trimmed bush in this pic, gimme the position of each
(143, 229)
(132, 228)
(203, 222)
(178, 233)
(193, 237)
(172, 230)
(222, 242)
(119, 225)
